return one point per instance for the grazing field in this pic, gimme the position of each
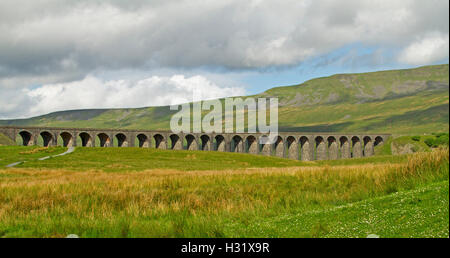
(11, 154)
(138, 159)
(110, 192)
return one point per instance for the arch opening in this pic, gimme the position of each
(368, 147)
(237, 144)
(143, 141)
(67, 139)
(251, 144)
(47, 138)
(265, 148)
(305, 154)
(159, 141)
(292, 147)
(321, 148)
(121, 140)
(345, 148)
(176, 143)
(86, 139)
(104, 139)
(279, 147)
(219, 143)
(378, 141)
(191, 142)
(26, 138)
(205, 142)
(333, 149)
(356, 147)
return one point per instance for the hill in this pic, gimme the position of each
(5, 140)
(408, 101)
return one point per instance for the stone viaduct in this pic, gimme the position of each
(293, 145)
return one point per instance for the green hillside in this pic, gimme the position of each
(409, 101)
(5, 140)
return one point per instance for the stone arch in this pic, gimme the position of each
(279, 147)
(292, 147)
(122, 140)
(378, 141)
(333, 149)
(67, 139)
(191, 142)
(368, 146)
(237, 144)
(265, 148)
(356, 147)
(159, 141)
(143, 141)
(321, 148)
(220, 143)
(206, 142)
(27, 138)
(177, 143)
(345, 148)
(47, 138)
(105, 141)
(305, 149)
(86, 139)
(252, 144)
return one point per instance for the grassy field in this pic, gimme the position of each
(131, 192)
(138, 159)
(422, 212)
(11, 154)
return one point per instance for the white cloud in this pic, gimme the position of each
(48, 36)
(92, 92)
(426, 50)
(54, 42)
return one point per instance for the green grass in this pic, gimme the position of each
(407, 197)
(138, 159)
(12, 154)
(422, 212)
(379, 159)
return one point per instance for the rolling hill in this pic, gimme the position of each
(408, 101)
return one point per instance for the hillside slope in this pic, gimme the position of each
(406, 101)
(5, 140)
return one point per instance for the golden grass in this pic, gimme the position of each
(35, 150)
(40, 149)
(96, 195)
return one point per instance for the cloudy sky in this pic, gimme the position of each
(64, 54)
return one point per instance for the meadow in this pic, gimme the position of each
(131, 192)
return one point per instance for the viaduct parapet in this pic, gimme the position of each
(293, 145)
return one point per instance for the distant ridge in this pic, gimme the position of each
(404, 101)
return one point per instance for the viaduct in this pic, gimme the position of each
(293, 145)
